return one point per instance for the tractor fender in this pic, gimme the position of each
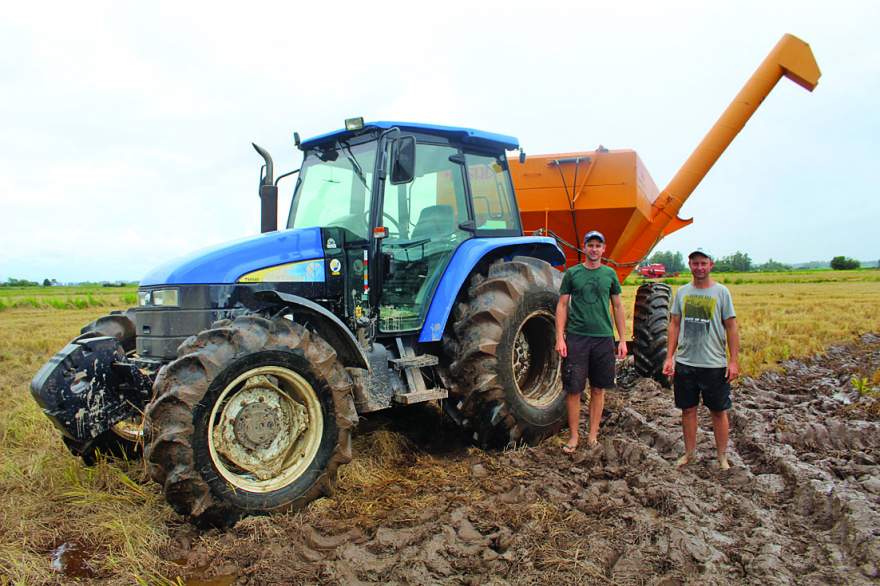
(462, 264)
(325, 323)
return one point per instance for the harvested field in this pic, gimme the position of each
(801, 503)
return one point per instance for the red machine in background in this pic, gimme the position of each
(655, 270)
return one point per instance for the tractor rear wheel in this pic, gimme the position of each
(502, 348)
(650, 323)
(255, 415)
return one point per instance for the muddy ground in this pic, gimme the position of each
(800, 504)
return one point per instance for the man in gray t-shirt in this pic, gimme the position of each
(702, 326)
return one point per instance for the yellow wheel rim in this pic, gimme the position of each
(130, 429)
(265, 429)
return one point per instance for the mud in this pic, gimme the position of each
(71, 560)
(801, 503)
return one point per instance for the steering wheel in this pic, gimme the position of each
(385, 215)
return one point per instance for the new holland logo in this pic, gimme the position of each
(335, 266)
(331, 243)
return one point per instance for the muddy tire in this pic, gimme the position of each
(650, 323)
(118, 324)
(255, 415)
(125, 440)
(503, 356)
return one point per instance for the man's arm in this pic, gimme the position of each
(671, 344)
(620, 322)
(561, 319)
(733, 346)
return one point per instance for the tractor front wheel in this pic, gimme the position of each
(254, 416)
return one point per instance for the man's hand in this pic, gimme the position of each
(621, 350)
(669, 366)
(561, 347)
(732, 370)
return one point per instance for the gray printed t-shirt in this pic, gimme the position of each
(702, 340)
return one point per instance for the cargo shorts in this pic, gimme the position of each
(590, 358)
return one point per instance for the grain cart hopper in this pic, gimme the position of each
(566, 195)
(252, 361)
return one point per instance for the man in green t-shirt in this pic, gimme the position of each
(584, 337)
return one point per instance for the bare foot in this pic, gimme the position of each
(722, 462)
(592, 442)
(569, 448)
(686, 459)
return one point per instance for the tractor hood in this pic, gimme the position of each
(226, 263)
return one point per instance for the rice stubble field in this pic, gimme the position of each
(418, 504)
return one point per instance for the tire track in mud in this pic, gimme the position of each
(800, 503)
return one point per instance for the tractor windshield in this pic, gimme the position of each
(334, 188)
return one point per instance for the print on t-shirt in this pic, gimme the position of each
(698, 313)
(590, 293)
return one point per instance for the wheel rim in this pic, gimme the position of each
(131, 429)
(265, 429)
(536, 364)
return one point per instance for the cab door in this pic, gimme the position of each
(423, 219)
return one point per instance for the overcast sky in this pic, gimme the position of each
(125, 127)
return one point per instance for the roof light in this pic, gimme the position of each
(354, 123)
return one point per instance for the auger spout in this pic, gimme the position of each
(791, 58)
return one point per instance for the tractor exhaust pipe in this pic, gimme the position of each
(268, 193)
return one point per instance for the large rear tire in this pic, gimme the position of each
(503, 351)
(255, 415)
(650, 324)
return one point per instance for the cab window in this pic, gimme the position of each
(491, 193)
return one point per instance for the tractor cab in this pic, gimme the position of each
(395, 201)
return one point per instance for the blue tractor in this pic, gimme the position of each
(401, 276)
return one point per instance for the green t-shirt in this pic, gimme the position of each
(589, 312)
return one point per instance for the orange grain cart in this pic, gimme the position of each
(568, 194)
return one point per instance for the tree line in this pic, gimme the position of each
(741, 262)
(13, 282)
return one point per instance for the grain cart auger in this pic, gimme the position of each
(402, 276)
(568, 194)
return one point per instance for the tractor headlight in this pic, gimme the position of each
(158, 298)
(165, 297)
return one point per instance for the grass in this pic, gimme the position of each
(116, 515)
(777, 278)
(66, 297)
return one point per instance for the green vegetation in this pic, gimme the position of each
(738, 262)
(73, 297)
(775, 277)
(844, 263)
(673, 261)
(772, 266)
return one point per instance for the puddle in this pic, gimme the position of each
(70, 559)
(841, 398)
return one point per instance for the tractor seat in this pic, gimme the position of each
(435, 222)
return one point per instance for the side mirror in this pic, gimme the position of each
(403, 160)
